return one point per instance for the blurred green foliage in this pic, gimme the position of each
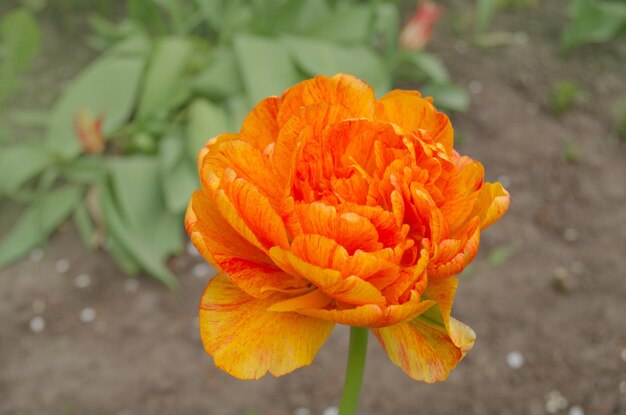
(169, 77)
(563, 95)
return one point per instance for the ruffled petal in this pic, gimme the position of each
(422, 348)
(248, 341)
(493, 202)
(412, 112)
(344, 90)
(351, 290)
(260, 127)
(250, 213)
(372, 315)
(248, 266)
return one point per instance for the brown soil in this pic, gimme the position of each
(142, 353)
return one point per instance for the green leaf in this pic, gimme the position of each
(593, 21)
(298, 16)
(20, 41)
(163, 76)
(107, 88)
(30, 117)
(484, 13)
(317, 57)
(206, 120)
(430, 65)
(38, 222)
(178, 177)
(19, 163)
(85, 226)
(138, 193)
(387, 23)
(448, 96)
(213, 11)
(84, 170)
(351, 24)
(221, 78)
(133, 244)
(265, 66)
(122, 257)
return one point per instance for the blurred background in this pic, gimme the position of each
(103, 106)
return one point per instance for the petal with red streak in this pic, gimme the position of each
(248, 341)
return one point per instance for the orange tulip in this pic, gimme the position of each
(330, 206)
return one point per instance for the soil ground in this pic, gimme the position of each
(142, 354)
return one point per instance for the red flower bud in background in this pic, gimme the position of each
(417, 32)
(89, 131)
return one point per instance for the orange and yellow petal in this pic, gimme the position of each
(260, 127)
(423, 349)
(413, 113)
(341, 90)
(493, 202)
(248, 266)
(372, 315)
(248, 341)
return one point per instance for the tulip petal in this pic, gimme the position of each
(248, 163)
(493, 202)
(248, 266)
(372, 315)
(250, 213)
(412, 112)
(442, 291)
(248, 341)
(351, 289)
(260, 127)
(422, 348)
(344, 90)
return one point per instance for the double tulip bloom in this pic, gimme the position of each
(330, 206)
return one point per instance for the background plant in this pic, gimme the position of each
(118, 153)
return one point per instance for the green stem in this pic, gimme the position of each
(354, 371)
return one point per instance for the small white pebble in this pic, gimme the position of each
(82, 281)
(39, 306)
(461, 46)
(622, 387)
(87, 315)
(570, 234)
(475, 87)
(623, 355)
(555, 402)
(62, 266)
(131, 285)
(504, 180)
(201, 270)
(521, 38)
(36, 255)
(331, 410)
(515, 360)
(576, 410)
(37, 324)
(302, 411)
(191, 250)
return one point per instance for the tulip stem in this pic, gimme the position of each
(354, 371)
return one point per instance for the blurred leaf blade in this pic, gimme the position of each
(38, 221)
(163, 75)
(21, 41)
(107, 88)
(265, 66)
(20, 163)
(133, 244)
(593, 22)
